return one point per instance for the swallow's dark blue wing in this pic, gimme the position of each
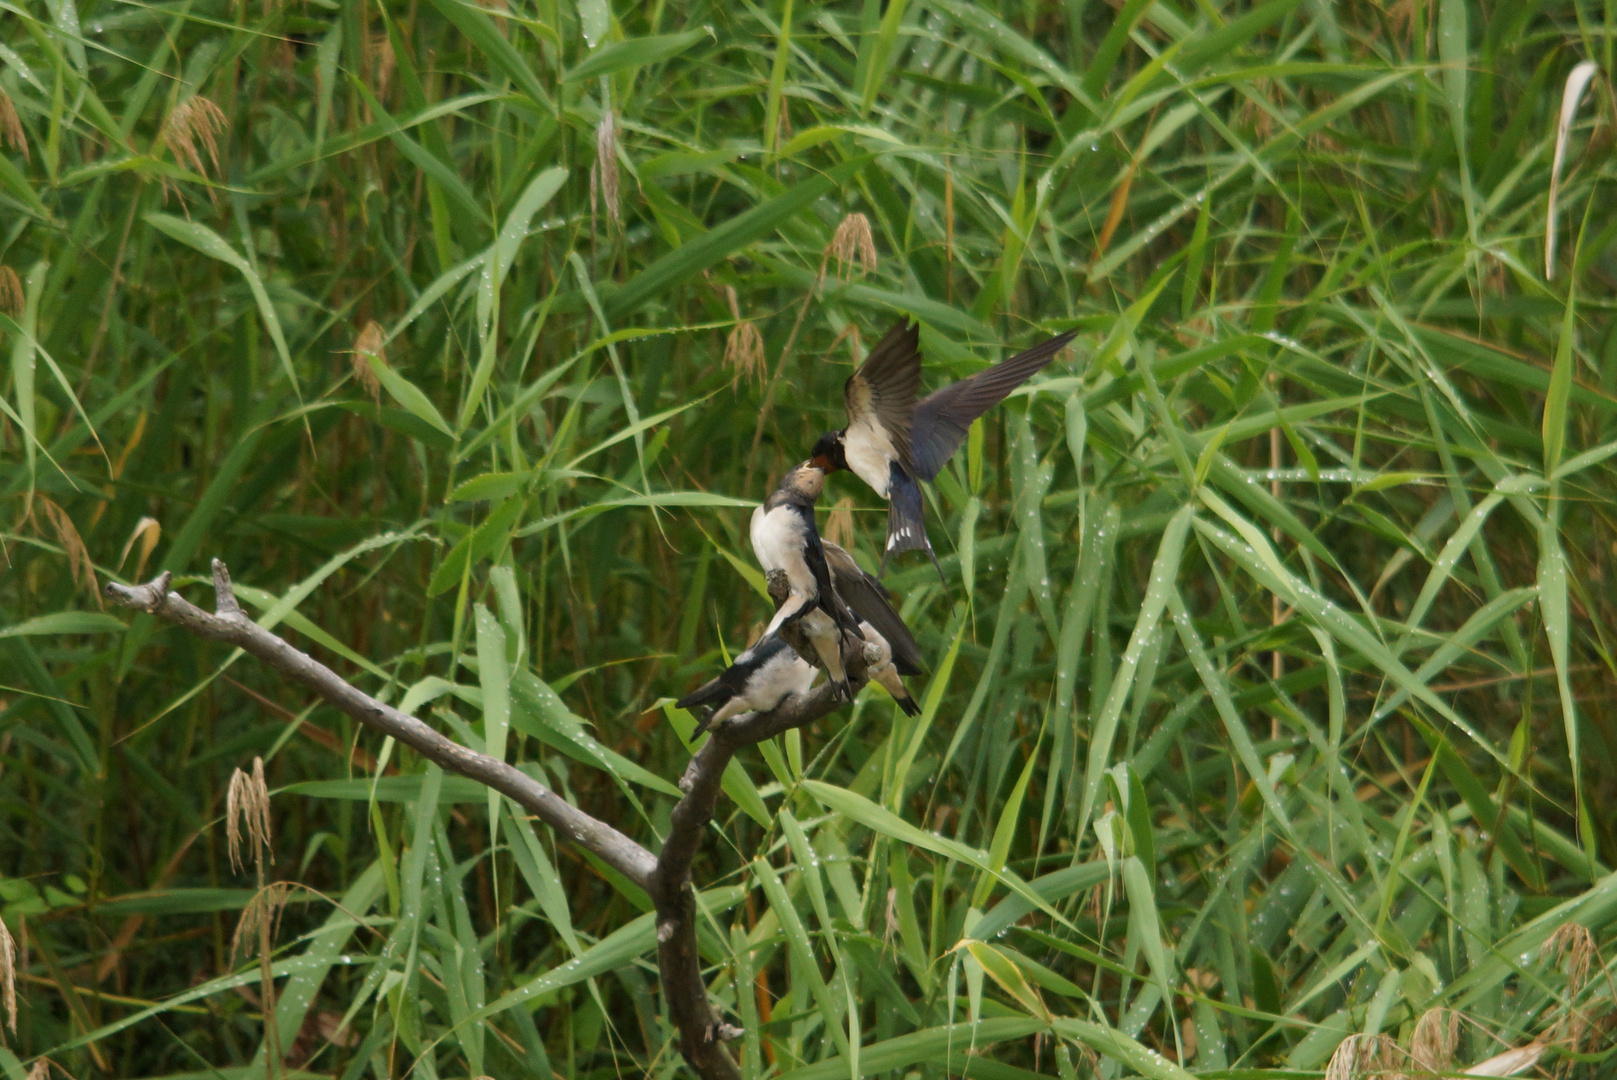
(882, 392)
(941, 420)
(868, 599)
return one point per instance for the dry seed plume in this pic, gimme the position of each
(605, 171)
(247, 803)
(8, 975)
(744, 351)
(11, 129)
(1572, 949)
(263, 912)
(744, 345)
(12, 298)
(368, 344)
(194, 120)
(1437, 1033)
(1360, 1056)
(851, 244)
(1576, 82)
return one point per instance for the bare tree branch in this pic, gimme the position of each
(666, 878)
(701, 1032)
(230, 625)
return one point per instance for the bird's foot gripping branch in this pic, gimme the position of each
(665, 876)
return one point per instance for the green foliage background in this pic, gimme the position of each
(1276, 648)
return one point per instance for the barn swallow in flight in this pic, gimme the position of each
(893, 441)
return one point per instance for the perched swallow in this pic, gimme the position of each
(759, 680)
(785, 538)
(881, 668)
(893, 441)
(870, 601)
(880, 665)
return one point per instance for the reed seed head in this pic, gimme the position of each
(1433, 1042)
(247, 806)
(606, 165)
(11, 129)
(852, 244)
(1361, 1056)
(1572, 949)
(194, 120)
(12, 297)
(263, 910)
(8, 976)
(368, 344)
(744, 351)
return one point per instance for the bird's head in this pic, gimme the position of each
(805, 481)
(828, 453)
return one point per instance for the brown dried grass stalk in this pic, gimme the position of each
(147, 532)
(383, 63)
(11, 129)
(368, 344)
(12, 297)
(247, 808)
(78, 556)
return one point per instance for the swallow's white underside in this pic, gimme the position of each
(827, 641)
(782, 675)
(869, 451)
(778, 536)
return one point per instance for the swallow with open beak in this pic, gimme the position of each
(759, 680)
(892, 442)
(785, 538)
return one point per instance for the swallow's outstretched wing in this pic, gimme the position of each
(941, 420)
